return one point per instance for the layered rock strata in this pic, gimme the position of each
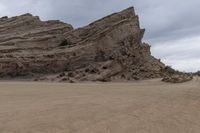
(109, 49)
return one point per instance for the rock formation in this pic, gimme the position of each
(197, 73)
(109, 49)
(177, 78)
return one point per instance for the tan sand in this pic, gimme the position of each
(143, 107)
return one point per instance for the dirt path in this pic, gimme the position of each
(142, 107)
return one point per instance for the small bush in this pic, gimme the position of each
(65, 43)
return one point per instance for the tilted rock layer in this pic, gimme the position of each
(109, 49)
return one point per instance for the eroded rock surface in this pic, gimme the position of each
(177, 78)
(106, 50)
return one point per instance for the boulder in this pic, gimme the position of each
(177, 78)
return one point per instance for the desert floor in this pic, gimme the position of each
(141, 107)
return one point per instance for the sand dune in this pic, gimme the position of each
(142, 107)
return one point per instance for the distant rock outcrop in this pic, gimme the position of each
(197, 73)
(177, 78)
(106, 50)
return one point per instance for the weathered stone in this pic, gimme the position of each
(177, 78)
(108, 49)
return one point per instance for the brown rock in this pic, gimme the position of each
(177, 78)
(102, 51)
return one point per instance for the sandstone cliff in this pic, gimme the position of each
(106, 50)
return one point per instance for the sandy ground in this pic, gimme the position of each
(143, 107)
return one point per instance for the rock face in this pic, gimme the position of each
(106, 50)
(177, 78)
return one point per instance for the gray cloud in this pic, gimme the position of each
(172, 26)
(181, 54)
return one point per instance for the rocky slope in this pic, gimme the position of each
(197, 73)
(106, 50)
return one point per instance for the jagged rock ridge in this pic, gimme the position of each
(106, 50)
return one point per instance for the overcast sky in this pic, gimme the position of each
(172, 26)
